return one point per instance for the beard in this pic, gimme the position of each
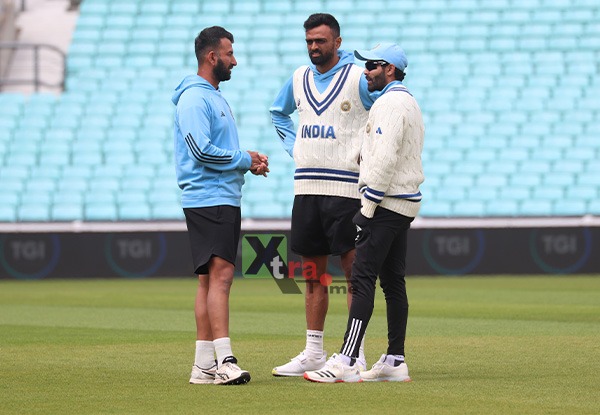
(221, 72)
(377, 83)
(321, 59)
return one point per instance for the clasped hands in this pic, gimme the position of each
(260, 164)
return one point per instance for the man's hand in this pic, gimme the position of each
(260, 164)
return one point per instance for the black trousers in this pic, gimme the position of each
(381, 246)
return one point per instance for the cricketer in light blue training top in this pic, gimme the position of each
(209, 163)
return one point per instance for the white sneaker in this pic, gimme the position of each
(203, 376)
(335, 371)
(229, 373)
(300, 364)
(384, 372)
(361, 363)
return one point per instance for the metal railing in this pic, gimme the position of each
(36, 76)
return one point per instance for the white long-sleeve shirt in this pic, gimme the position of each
(390, 168)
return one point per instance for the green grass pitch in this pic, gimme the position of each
(475, 345)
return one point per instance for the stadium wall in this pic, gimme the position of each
(8, 32)
(33, 251)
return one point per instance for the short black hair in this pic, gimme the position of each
(318, 19)
(399, 75)
(210, 37)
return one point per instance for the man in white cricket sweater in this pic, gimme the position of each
(332, 99)
(390, 175)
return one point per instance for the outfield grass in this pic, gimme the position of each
(489, 345)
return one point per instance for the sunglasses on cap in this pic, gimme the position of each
(372, 65)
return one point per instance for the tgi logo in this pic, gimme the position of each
(135, 256)
(453, 251)
(561, 251)
(561, 244)
(134, 248)
(29, 257)
(452, 245)
(265, 256)
(28, 250)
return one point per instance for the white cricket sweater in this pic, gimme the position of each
(331, 126)
(390, 168)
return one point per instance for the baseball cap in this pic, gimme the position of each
(389, 52)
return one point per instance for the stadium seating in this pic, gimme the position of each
(509, 91)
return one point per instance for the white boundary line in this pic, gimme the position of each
(284, 225)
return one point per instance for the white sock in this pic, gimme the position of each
(347, 360)
(394, 359)
(222, 348)
(205, 354)
(361, 350)
(314, 343)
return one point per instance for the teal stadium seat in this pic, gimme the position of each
(134, 211)
(536, 208)
(120, 21)
(94, 211)
(570, 207)
(114, 35)
(185, 7)
(220, 7)
(66, 196)
(502, 208)
(503, 166)
(26, 159)
(42, 198)
(66, 212)
(562, 179)
(167, 211)
(130, 196)
(10, 198)
(246, 7)
(124, 8)
(593, 207)
(92, 8)
(7, 213)
(482, 193)
(472, 167)
(436, 208)
(33, 212)
(469, 208)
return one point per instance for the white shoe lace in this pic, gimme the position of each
(378, 367)
(333, 361)
(231, 366)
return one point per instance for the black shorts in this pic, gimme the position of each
(322, 225)
(213, 231)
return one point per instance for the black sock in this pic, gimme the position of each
(230, 359)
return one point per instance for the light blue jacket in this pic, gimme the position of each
(209, 163)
